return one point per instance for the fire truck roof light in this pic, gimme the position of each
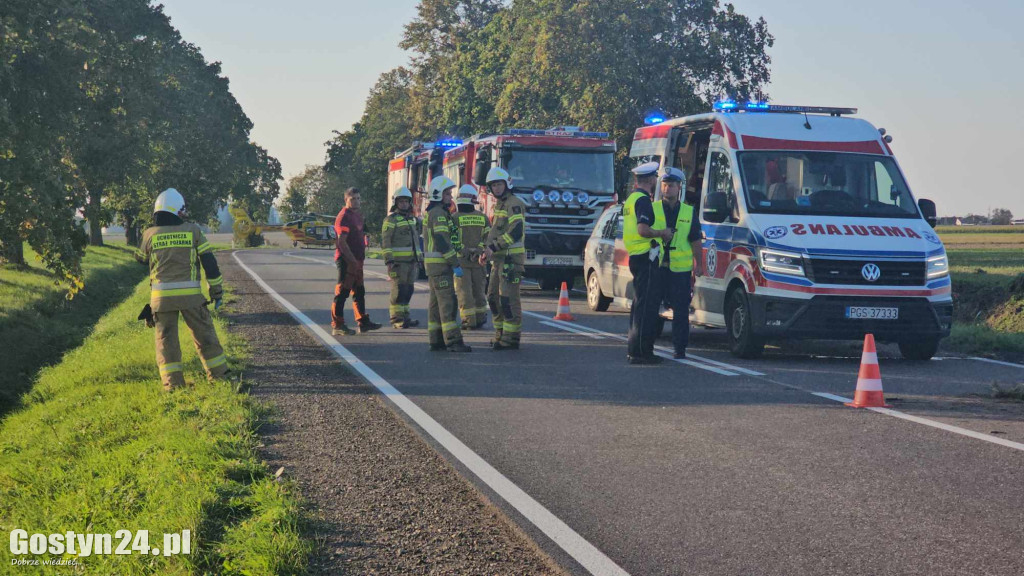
(572, 131)
(758, 106)
(653, 119)
(450, 143)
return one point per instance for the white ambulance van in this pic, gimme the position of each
(809, 228)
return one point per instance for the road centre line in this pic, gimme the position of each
(1000, 362)
(585, 553)
(661, 351)
(886, 411)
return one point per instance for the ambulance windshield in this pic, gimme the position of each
(554, 168)
(826, 183)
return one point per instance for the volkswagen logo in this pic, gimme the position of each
(870, 272)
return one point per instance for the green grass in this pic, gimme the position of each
(38, 324)
(971, 230)
(983, 340)
(99, 447)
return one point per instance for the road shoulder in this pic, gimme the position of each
(385, 501)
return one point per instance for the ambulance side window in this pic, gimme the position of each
(720, 175)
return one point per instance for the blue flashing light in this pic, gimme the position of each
(725, 105)
(653, 119)
(760, 106)
(450, 143)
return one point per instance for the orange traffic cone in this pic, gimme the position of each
(869, 381)
(563, 305)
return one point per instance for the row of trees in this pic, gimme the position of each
(102, 105)
(485, 65)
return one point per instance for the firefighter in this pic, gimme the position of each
(642, 244)
(442, 264)
(399, 239)
(349, 253)
(174, 251)
(678, 261)
(473, 228)
(506, 251)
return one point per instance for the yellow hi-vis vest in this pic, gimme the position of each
(680, 255)
(635, 243)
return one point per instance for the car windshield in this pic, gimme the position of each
(827, 183)
(583, 170)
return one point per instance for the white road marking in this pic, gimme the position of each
(659, 350)
(573, 330)
(1000, 362)
(932, 423)
(592, 559)
(573, 327)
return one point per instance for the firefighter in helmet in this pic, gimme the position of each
(473, 229)
(505, 249)
(442, 264)
(175, 251)
(400, 239)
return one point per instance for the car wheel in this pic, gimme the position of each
(596, 299)
(742, 341)
(919, 350)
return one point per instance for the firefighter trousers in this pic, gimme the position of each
(403, 282)
(472, 296)
(503, 299)
(168, 348)
(442, 318)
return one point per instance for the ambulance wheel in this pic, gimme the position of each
(596, 299)
(920, 349)
(742, 341)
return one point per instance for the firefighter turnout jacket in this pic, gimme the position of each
(174, 255)
(508, 231)
(400, 237)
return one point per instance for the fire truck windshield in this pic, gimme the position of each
(577, 169)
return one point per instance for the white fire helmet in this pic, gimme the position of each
(437, 187)
(169, 200)
(467, 195)
(496, 174)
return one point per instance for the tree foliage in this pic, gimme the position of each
(484, 65)
(1002, 217)
(102, 106)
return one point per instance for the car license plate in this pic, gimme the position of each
(564, 261)
(872, 313)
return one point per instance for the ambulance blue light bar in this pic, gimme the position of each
(556, 132)
(450, 143)
(733, 106)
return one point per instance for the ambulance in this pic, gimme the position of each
(810, 229)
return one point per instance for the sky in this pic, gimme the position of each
(944, 78)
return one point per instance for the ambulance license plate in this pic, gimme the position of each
(565, 261)
(872, 313)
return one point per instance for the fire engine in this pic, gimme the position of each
(414, 167)
(564, 175)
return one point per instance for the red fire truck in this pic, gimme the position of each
(414, 167)
(564, 175)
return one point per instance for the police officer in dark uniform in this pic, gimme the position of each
(642, 242)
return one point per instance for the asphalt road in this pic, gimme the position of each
(701, 468)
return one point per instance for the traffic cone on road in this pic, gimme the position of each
(869, 381)
(563, 305)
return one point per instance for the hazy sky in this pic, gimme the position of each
(943, 77)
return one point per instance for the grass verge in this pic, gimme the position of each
(38, 324)
(99, 447)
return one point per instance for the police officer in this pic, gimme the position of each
(506, 250)
(642, 244)
(399, 240)
(473, 229)
(678, 255)
(442, 263)
(174, 251)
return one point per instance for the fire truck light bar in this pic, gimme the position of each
(733, 106)
(556, 132)
(452, 143)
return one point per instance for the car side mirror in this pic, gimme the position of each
(480, 172)
(716, 208)
(928, 211)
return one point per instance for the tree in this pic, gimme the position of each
(1002, 217)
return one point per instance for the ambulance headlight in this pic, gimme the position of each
(583, 197)
(782, 262)
(567, 196)
(553, 196)
(538, 195)
(938, 267)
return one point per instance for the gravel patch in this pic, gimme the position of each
(385, 502)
